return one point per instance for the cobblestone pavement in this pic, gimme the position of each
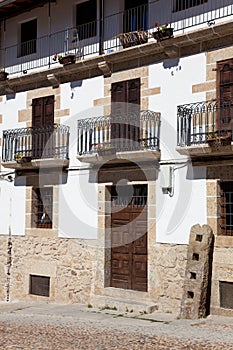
(46, 327)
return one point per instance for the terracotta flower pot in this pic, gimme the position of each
(107, 151)
(68, 59)
(159, 35)
(3, 76)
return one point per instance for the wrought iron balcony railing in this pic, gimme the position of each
(136, 131)
(36, 143)
(84, 40)
(197, 122)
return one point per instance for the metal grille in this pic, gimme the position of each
(43, 207)
(180, 5)
(129, 196)
(39, 285)
(226, 204)
(197, 121)
(226, 294)
(94, 132)
(36, 142)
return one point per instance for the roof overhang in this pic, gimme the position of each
(11, 8)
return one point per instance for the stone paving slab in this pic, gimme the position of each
(67, 327)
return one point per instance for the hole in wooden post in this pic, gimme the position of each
(195, 256)
(193, 275)
(199, 238)
(190, 295)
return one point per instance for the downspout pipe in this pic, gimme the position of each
(101, 27)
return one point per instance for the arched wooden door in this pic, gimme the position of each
(129, 237)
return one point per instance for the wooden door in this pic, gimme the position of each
(125, 114)
(42, 124)
(129, 239)
(225, 96)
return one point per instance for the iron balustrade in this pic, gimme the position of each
(84, 40)
(36, 142)
(196, 122)
(127, 132)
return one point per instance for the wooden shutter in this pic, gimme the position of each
(43, 118)
(225, 95)
(125, 110)
(43, 111)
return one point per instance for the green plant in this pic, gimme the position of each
(211, 135)
(162, 27)
(89, 306)
(18, 156)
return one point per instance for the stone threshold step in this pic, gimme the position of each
(122, 304)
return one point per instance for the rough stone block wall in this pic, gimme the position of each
(168, 263)
(70, 264)
(222, 272)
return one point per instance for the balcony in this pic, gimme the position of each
(84, 41)
(205, 129)
(34, 147)
(119, 138)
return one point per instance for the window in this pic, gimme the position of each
(43, 111)
(125, 114)
(43, 124)
(226, 292)
(135, 15)
(42, 207)
(86, 19)
(28, 35)
(180, 5)
(226, 204)
(39, 285)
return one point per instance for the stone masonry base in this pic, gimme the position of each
(71, 265)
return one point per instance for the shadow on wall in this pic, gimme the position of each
(41, 178)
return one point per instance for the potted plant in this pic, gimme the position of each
(213, 139)
(22, 159)
(104, 149)
(162, 32)
(133, 38)
(3, 75)
(65, 59)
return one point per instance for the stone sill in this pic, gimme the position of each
(41, 232)
(223, 241)
(217, 310)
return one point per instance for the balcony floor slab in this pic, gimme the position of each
(121, 157)
(205, 150)
(37, 163)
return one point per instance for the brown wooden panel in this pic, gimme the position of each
(225, 94)
(139, 272)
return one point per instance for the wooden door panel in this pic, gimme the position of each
(121, 267)
(129, 247)
(139, 267)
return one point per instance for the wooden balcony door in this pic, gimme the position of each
(129, 238)
(225, 96)
(125, 114)
(42, 123)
